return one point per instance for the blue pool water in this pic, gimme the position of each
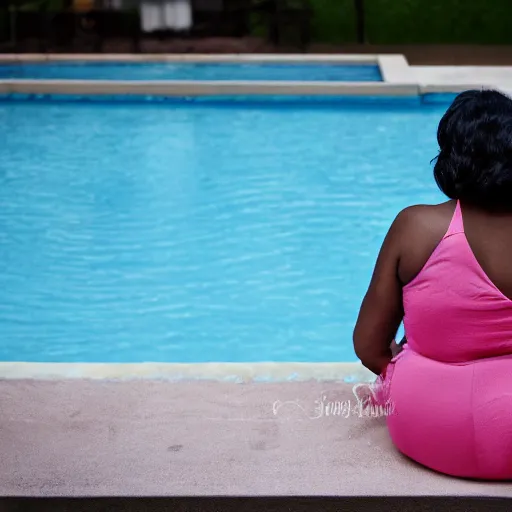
(189, 71)
(200, 232)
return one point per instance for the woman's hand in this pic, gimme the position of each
(397, 348)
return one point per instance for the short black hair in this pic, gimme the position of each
(474, 163)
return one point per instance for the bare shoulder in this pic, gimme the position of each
(425, 219)
(417, 232)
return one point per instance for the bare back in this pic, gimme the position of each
(489, 236)
(407, 248)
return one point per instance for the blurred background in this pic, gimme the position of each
(476, 31)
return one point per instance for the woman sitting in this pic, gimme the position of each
(446, 270)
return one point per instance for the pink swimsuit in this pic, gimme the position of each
(451, 387)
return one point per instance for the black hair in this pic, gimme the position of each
(474, 163)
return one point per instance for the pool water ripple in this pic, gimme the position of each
(194, 233)
(190, 72)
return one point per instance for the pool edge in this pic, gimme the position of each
(347, 59)
(205, 88)
(399, 78)
(228, 372)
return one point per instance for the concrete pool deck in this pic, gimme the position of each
(89, 438)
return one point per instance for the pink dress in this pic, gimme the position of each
(451, 387)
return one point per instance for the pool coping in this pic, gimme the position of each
(347, 59)
(399, 79)
(227, 372)
(204, 88)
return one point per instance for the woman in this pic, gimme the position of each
(446, 270)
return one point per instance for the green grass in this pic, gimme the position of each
(439, 21)
(415, 21)
(333, 21)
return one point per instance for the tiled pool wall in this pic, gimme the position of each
(398, 82)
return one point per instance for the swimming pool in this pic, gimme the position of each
(312, 72)
(199, 232)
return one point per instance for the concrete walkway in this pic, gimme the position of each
(493, 76)
(199, 438)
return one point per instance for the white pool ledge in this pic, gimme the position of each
(229, 372)
(345, 59)
(398, 77)
(205, 88)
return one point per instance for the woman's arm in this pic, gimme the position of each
(382, 310)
